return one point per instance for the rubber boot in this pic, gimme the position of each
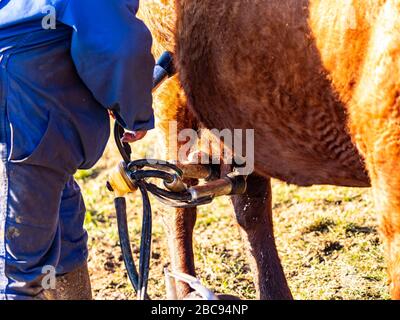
(71, 286)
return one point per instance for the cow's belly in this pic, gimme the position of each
(259, 67)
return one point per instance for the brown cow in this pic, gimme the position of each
(318, 80)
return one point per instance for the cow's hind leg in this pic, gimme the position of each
(172, 113)
(254, 214)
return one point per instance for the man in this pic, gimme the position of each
(57, 82)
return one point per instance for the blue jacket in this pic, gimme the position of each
(68, 59)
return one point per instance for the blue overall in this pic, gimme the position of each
(56, 85)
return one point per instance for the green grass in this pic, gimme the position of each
(326, 236)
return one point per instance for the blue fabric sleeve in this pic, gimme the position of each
(111, 49)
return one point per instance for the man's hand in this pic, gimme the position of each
(130, 137)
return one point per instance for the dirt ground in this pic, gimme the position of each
(327, 239)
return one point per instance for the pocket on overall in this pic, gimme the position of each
(58, 148)
(54, 119)
(41, 134)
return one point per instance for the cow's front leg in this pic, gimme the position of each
(254, 214)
